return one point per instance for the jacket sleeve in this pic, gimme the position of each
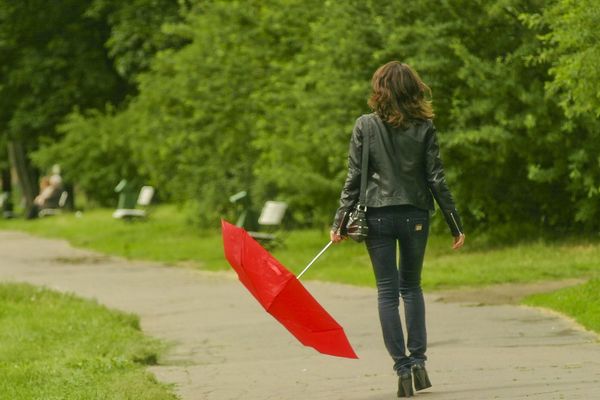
(351, 189)
(436, 181)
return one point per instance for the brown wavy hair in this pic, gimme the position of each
(399, 94)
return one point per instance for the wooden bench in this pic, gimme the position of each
(144, 200)
(62, 201)
(270, 220)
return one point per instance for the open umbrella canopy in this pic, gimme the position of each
(282, 295)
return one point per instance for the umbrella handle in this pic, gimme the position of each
(315, 259)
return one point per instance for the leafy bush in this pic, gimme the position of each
(95, 152)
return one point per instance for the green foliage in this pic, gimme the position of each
(262, 95)
(135, 31)
(194, 121)
(568, 32)
(96, 149)
(52, 59)
(96, 152)
(194, 112)
(497, 123)
(311, 101)
(57, 346)
(572, 47)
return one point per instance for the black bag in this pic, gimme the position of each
(356, 226)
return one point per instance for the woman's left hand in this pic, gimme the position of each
(459, 241)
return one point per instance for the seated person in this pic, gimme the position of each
(50, 191)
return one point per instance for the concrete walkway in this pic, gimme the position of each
(226, 347)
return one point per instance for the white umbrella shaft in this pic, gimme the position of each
(315, 259)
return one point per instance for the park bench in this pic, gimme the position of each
(62, 201)
(144, 199)
(6, 205)
(269, 222)
(242, 203)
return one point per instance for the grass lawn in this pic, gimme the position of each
(56, 346)
(581, 302)
(166, 237)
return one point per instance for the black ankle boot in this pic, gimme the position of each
(405, 384)
(421, 378)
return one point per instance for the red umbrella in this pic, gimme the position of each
(282, 294)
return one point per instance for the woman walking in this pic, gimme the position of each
(405, 173)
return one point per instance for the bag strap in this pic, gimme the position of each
(364, 170)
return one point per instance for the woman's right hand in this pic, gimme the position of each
(335, 237)
(459, 241)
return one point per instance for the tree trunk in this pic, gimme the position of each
(25, 172)
(6, 181)
(6, 193)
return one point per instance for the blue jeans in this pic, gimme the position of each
(407, 226)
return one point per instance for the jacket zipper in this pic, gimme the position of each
(455, 224)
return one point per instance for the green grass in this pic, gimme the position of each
(581, 302)
(445, 268)
(167, 237)
(56, 346)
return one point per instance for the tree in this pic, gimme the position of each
(193, 124)
(485, 96)
(262, 95)
(53, 58)
(195, 109)
(95, 151)
(570, 47)
(95, 144)
(311, 101)
(136, 33)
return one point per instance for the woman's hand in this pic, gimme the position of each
(459, 241)
(336, 237)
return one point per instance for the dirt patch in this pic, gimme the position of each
(506, 293)
(82, 260)
(189, 264)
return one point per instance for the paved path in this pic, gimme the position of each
(226, 347)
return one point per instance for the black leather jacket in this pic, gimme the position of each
(404, 168)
